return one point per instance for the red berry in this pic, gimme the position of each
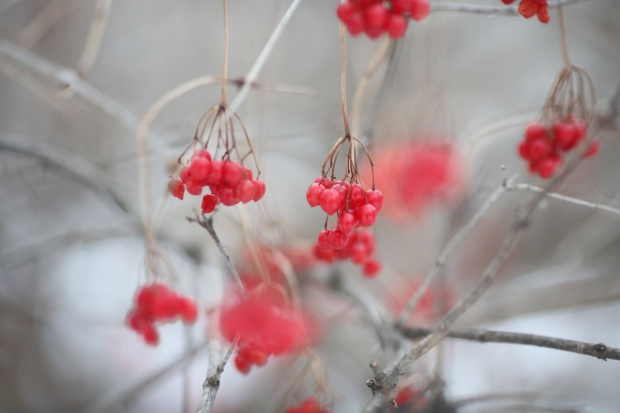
(505, 2)
(200, 168)
(176, 188)
(136, 321)
(375, 16)
(346, 221)
(215, 176)
(566, 135)
(549, 166)
(323, 240)
(396, 26)
(535, 131)
(337, 239)
(543, 14)
(373, 33)
(232, 173)
(528, 8)
(326, 182)
(524, 150)
(358, 253)
(189, 310)
(227, 195)
(330, 201)
(257, 357)
(372, 267)
(375, 198)
(539, 149)
(202, 153)
(322, 254)
(242, 364)
(185, 174)
(209, 202)
(150, 335)
(193, 187)
(314, 192)
(342, 192)
(247, 173)
(420, 9)
(245, 191)
(345, 11)
(366, 215)
(400, 6)
(357, 196)
(592, 150)
(261, 188)
(355, 24)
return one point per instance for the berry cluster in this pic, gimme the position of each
(359, 248)
(375, 17)
(309, 405)
(265, 325)
(531, 8)
(355, 207)
(415, 176)
(543, 148)
(157, 303)
(229, 182)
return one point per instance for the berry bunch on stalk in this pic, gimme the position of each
(563, 124)
(376, 17)
(353, 206)
(156, 303)
(531, 8)
(229, 181)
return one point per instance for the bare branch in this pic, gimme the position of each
(51, 14)
(212, 383)
(450, 248)
(263, 56)
(207, 223)
(600, 350)
(75, 167)
(500, 10)
(116, 397)
(95, 35)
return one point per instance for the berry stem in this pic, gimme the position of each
(343, 79)
(225, 63)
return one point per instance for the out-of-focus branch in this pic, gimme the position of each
(499, 10)
(509, 304)
(95, 35)
(67, 77)
(212, 384)
(450, 248)
(600, 350)
(111, 399)
(47, 18)
(78, 169)
(263, 56)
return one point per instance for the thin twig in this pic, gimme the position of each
(499, 10)
(600, 350)
(212, 383)
(95, 35)
(263, 56)
(116, 397)
(47, 18)
(450, 248)
(207, 223)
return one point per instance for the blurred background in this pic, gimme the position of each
(71, 241)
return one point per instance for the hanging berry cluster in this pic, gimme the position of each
(359, 249)
(353, 205)
(376, 17)
(563, 125)
(309, 405)
(266, 326)
(229, 181)
(156, 303)
(531, 8)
